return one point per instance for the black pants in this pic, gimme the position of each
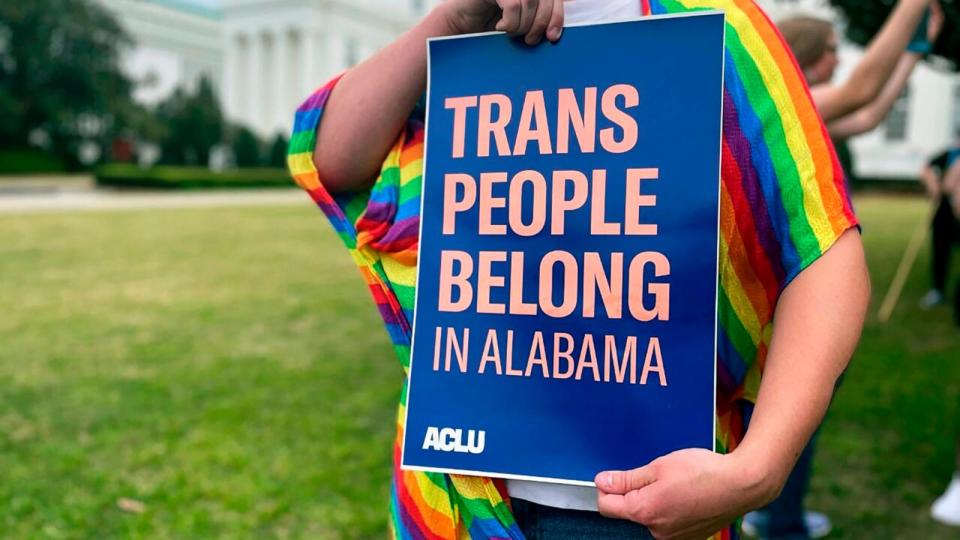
(946, 233)
(540, 522)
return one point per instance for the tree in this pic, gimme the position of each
(277, 157)
(59, 72)
(864, 20)
(246, 148)
(193, 123)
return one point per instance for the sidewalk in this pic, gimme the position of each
(82, 200)
(45, 183)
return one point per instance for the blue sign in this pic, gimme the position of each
(565, 318)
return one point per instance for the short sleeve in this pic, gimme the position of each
(951, 159)
(783, 200)
(784, 169)
(378, 225)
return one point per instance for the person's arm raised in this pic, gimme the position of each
(867, 118)
(371, 103)
(873, 70)
(870, 116)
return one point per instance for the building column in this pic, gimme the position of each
(295, 67)
(282, 79)
(311, 78)
(367, 50)
(230, 86)
(241, 82)
(255, 83)
(267, 88)
(336, 60)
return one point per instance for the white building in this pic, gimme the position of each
(176, 43)
(922, 122)
(267, 55)
(277, 51)
(263, 56)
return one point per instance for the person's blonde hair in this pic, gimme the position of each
(807, 37)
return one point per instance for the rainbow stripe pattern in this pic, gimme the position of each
(783, 204)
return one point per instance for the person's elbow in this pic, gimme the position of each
(844, 270)
(337, 169)
(853, 291)
(863, 122)
(332, 169)
(860, 93)
(866, 290)
(861, 286)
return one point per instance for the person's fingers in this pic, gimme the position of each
(528, 11)
(541, 21)
(621, 482)
(555, 28)
(612, 506)
(510, 16)
(634, 505)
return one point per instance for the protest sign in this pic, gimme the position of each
(565, 316)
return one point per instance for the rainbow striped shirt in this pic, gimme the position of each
(783, 204)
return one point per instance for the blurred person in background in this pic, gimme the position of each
(946, 509)
(934, 177)
(850, 108)
(867, 117)
(886, 64)
(944, 189)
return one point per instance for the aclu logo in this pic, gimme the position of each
(452, 440)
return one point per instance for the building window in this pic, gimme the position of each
(352, 51)
(899, 117)
(956, 111)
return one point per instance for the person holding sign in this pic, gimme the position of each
(793, 281)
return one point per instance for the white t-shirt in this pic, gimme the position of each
(559, 495)
(594, 11)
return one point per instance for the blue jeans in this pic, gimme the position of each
(538, 522)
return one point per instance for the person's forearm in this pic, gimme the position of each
(817, 324)
(951, 180)
(883, 51)
(693, 493)
(869, 117)
(878, 61)
(951, 186)
(370, 105)
(929, 180)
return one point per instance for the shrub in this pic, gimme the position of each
(29, 160)
(120, 175)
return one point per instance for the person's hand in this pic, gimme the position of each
(530, 19)
(934, 189)
(688, 494)
(935, 24)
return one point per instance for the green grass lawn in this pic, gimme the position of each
(222, 366)
(225, 367)
(887, 448)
